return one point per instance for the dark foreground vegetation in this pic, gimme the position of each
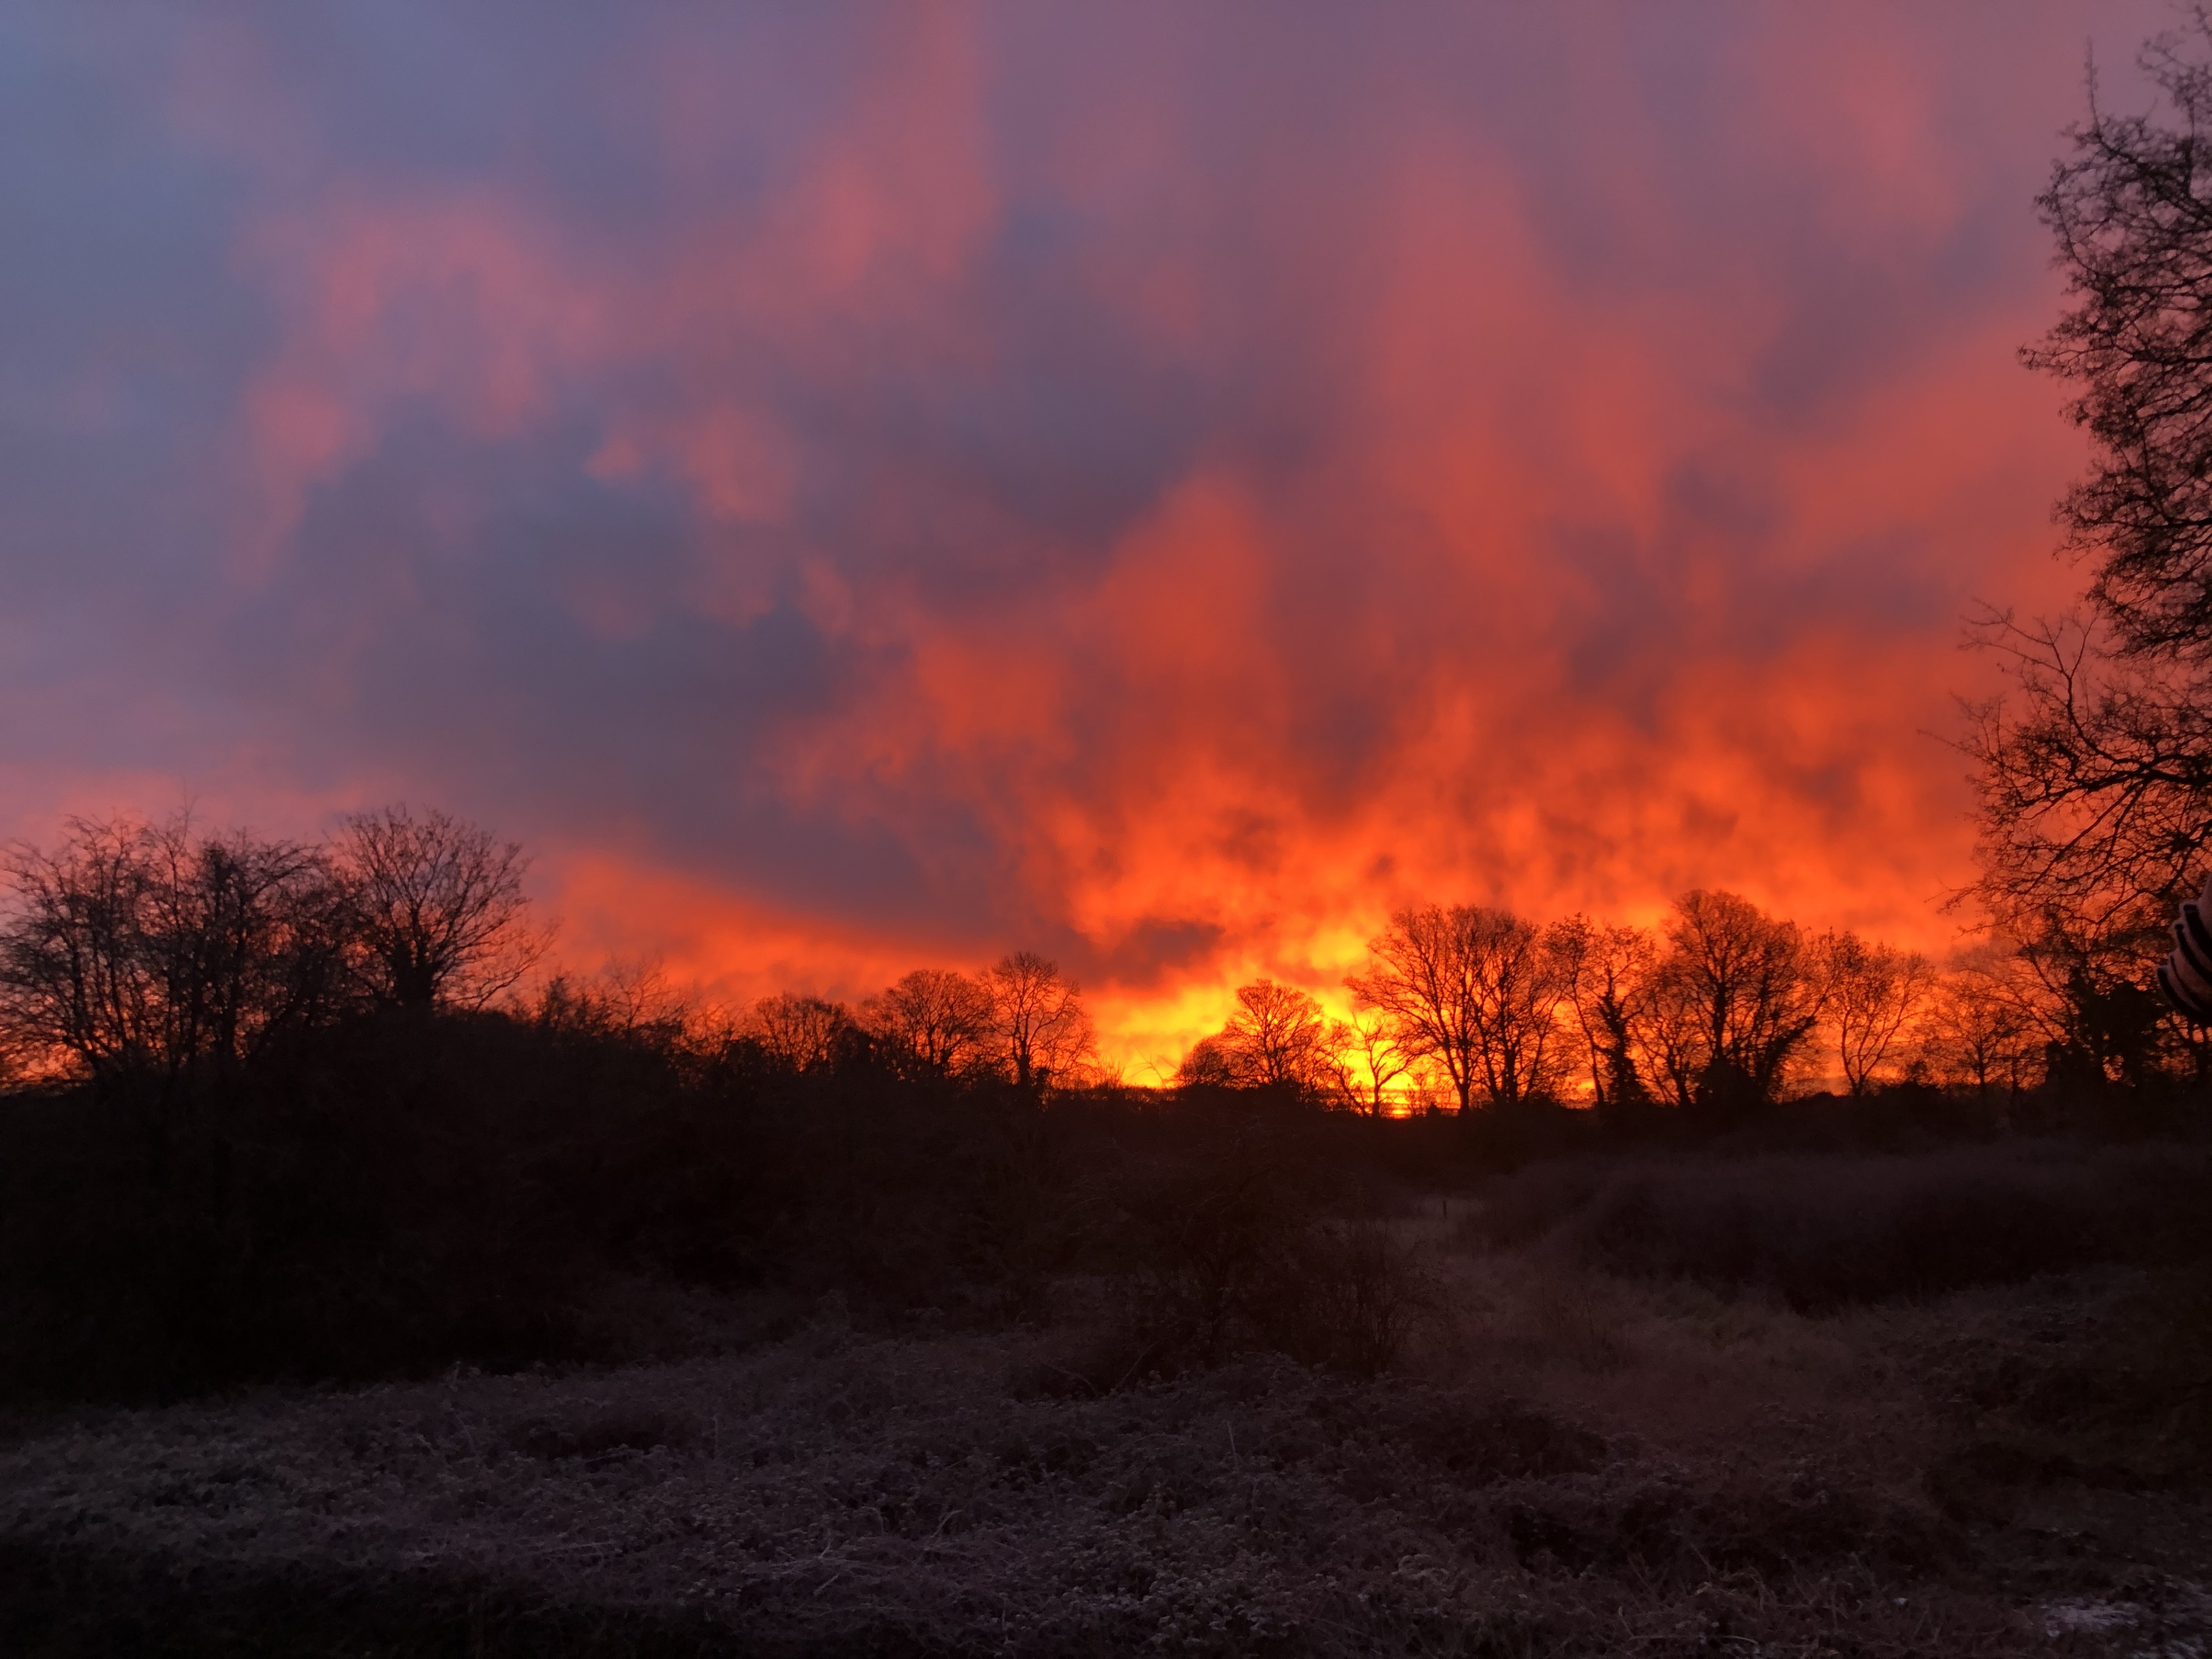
(555, 1329)
(365, 1288)
(1571, 1463)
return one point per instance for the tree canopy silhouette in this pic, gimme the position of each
(803, 1033)
(438, 906)
(148, 949)
(1749, 994)
(933, 1020)
(1475, 992)
(2131, 211)
(1041, 1027)
(2094, 773)
(1874, 993)
(1277, 1038)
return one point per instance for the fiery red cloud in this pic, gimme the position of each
(869, 489)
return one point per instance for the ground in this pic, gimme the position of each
(1564, 1461)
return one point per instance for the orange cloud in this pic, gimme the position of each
(1163, 490)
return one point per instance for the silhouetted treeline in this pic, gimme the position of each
(150, 959)
(282, 1110)
(408, 1189)
(1711, 1020)
(279, 1110)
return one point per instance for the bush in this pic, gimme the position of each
(1234, 1247)
(1824, 1232)
(403, 1191)
(406, 1191)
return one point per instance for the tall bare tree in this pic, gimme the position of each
(1476, 990)
(1039, 1023)
(1366, 1058)
(2094, 771)
(1873, 993)
(1276, 1037)
(1669, 1026)
(1520, 985)
(1608, 971)
(438, 907)
(1420, 978)
(933, 1020)
(1746, 983)
(2131, 211)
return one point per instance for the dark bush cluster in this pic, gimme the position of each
(1252, 1229)
(412, 1188)
(1829, 1232)
(416, 1187)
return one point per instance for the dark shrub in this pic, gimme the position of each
(1240, 1240)
(416, 1188)
(1823, 1232)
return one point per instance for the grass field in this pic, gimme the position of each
(1568, 1456)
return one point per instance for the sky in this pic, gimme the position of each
(859, 488)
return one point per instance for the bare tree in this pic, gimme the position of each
(2095, 773)
(1476, 991)
(803, 1032)
(2095, 811)
(1276, 1037)
(1608, 971)
(1980, 1033)
(933, 1020)
(1874, 995)
(2094, 781)
(139, 948)
(1670, 1027)
(438, 907)
(1366, 1058)
(75, 960)
(1519, 988)
(1420, 978)
(1041, 1027)
(1742, 984)
(2131, 210)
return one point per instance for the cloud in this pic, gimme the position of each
(1158, 486)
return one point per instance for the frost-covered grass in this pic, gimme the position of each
(1568, 1463)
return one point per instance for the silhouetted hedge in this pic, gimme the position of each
(413, 1188)
(408, 1189)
